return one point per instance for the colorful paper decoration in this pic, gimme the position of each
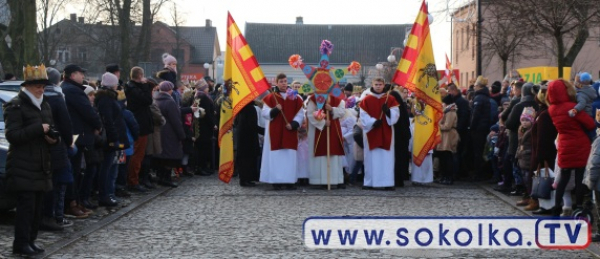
(323, 79)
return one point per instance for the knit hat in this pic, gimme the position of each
(165, 86)
(528, 114)
(109, 80)
(481, 81)
(496, 87)
(89, 89)
(527, 89)
(168, 59)
(53, 75)
(585, 77)
(201, 85)
(349, 87)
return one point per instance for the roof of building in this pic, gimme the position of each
(204, 40)
(367, 44)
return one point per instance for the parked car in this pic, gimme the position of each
(7, 202)
(13, 86)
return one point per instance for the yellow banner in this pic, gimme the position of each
(538, 74)
(417, 72)
(244, 81)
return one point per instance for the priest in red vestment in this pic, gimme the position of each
(378, 113)
(284, 114)
(318, 122)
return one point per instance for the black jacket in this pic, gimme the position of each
(62, 123)
(207, 124)
(480, 119)
(28, 162)
(112, 118)
(402, 128)
(83, 116)
(139, 99)
(514, 121)
(168, 75)
(463, 113)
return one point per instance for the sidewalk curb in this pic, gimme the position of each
(56, 247)
(594, 250)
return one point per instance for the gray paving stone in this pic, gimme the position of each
(205, 218)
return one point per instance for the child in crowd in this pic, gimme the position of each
(585, 95)
(358, 152)
(524, 151)
(302, 155)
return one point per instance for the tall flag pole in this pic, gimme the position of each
(417, 72)
(244, 82)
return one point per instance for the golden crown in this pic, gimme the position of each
(35, 73)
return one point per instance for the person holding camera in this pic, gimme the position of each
(28, 122)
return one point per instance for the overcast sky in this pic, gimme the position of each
(195, 12)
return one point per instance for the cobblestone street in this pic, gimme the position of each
(205, 218)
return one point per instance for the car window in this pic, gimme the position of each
(14, 88)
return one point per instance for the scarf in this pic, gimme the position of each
(36, 101)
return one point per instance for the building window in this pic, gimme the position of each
(473, 74)
(63, 55)
(82, 54)
(462, 39)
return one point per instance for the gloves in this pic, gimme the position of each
(377, 123)
(386, 110)
(274, 112)
(295, 125)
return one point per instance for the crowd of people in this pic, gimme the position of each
(76, 145)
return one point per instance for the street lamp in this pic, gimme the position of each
(206, 66)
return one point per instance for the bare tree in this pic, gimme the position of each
(49, 40)
(22, 31)
(500, 35)
(177, 21)
(142, 50)
(567, 22)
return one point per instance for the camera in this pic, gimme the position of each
(53, 133)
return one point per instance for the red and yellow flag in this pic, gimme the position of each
(248, 82)
(417, 72)
(449, 72)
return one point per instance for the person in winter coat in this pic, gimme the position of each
(133, 132)
(524, 151)
(572, 139)
(402, 133)
(480, 124)
(110, 111)
(508, 159)
(463, 113)
(154, 146)
(449, 144)
(585, 98)
(139, 98)
(86, 123)
(513, 122)
(93, 156)
(169, 73)
(203, 130)
(29, 128)
(585, 95)
(543, 149)
(54, 201)
(171, 135)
